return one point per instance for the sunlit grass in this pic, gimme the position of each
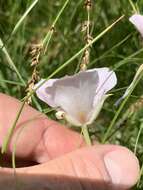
(117, 46)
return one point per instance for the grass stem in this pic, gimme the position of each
(86, 135)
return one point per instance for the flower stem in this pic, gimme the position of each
(133, 6)
(86, 135)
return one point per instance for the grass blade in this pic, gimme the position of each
(138, 78)
(133, 6)
(51, 31)
(137, 139)
(24, 16)
(10, 131)
(10, 61)
(11, 82)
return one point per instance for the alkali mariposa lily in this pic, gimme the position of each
(78, 98)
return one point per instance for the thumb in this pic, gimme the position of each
(98, 167)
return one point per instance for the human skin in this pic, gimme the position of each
(52, 157)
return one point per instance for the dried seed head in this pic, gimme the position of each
(35, 54)
(85, 26)
(85, 59)
(89, 39)
(52, 28)
(83, 67)
(88, 4)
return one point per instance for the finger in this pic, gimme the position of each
(102, 167)
(37, 138)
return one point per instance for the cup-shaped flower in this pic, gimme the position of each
(137, 21)
(81, 96)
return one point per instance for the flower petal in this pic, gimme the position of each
(137, 21)
(42, 91)
(80, 96)
(107, 79)
(76, 95)
(97, 107)
(72, 94)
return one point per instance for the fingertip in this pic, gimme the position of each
(122, 166)
(115, 166)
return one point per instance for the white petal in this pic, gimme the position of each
(42, 91)
(97, 107)
(107, 79)
(80, 96)
(137, 21)
(76, 95)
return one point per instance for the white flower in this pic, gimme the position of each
(81, 96)
(137, 21)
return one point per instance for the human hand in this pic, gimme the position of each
(63, 161)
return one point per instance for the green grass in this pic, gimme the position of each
(120, 48)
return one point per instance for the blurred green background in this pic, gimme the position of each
(112, 49)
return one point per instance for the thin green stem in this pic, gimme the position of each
(122, 62)
(86, 135)
(137, 139)
(11, 63)
(88, 21)
(105, 137)
(10, 131)
(133, 6)
(51, 31)
(24, 16)
(3, 84)
(110, 50)
(140, 175)
(11, 82)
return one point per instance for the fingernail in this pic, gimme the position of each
(122, 167)
(113, 167)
